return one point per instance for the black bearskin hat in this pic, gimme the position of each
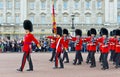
(88, 33)
(101, 31)
(27, 24)
(114, 32)
(78, 32)
(59, 31)
(104, 31)
(93, 31)
(111, 33)
(117, 33)
(65, 31)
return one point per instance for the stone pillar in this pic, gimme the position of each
(13, 11)
(107, 15)
(23, 10)
(4, 12)
(115, 12)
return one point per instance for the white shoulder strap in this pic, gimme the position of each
(58, 44)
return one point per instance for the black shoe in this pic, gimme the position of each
(19, 70)
(79, 63)
(29, 70)
(103, 68)
(55, 67)
(92, 66)
(50, 60)
(87, 62)
(66, 62)
(61, 67)
(117, 67)
(74, 63)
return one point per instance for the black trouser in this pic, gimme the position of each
(58, 56)
(112, 54)
(78, 57)
(53, 54)
(118, 59)
(100, 58)
(105, 62)
(114, 57)
(88, 57)
(26, 55)
(65, 55)
(92, 56)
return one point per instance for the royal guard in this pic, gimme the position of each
(28, 38)
(117, 48)
(114, 54)
(59, 44)
(92, 46)
(112, 45)
(78, 46)
(88, 60)
(100, 41)
(65, 45)
(52, 45)
(105, 49)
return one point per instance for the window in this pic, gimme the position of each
(55, 4)
(88, 5)
(9, 4)
(76, 19)
(32, 19)
(76, 5)
(118, 5)
(99, 20)
(87, 20)
(9, 19)
(65, 5)
(43, 19)
(1, 5)
(1, 19)
(31, 4)
(43, 4)
(17, 19)
(17, 5)
(119, 19)
(99, 4)
(65, 19)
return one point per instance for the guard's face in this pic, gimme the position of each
(117, 36)
(92, 35)
(64, 35)
(27, 31)
(104, 36)
(58, 36)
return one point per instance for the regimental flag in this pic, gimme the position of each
(53, 18)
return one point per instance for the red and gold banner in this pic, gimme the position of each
(53, 18)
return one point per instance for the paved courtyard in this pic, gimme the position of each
(9, 62)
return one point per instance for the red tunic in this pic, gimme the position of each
(100, 41)
(59, 48)
(78, 42)
(88, 45)
(28, 38)
(91, 45)
(104, 47)
(53, 41)
(65, 42)
(112, 43)
(117, 46)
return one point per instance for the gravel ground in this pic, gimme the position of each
(9, 62)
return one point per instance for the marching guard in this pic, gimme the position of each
(59, 49)
(65, 45)
(28, 38)
(78, 47)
